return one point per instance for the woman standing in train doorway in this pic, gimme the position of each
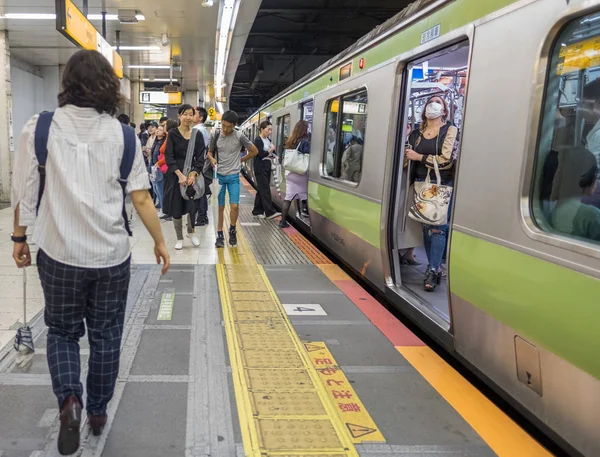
(434, 140)
(296, 184)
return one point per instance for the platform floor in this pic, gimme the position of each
(267, 349)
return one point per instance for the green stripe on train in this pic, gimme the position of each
(555, 307)
(453, 16)
(355, 214)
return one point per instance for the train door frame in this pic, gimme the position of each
(301, 105)
(393, 206)
(280, 115)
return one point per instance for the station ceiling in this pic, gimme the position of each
(290, 39)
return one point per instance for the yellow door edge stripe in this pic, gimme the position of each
(499, 431)
(350, 408)
(336, 421)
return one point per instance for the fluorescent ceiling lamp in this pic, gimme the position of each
(28, 16)
(228, 16)
(112, 17)
(52, 16)
(138, 48)
(153, 67)
(161, 80)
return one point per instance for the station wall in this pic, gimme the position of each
(27, 86)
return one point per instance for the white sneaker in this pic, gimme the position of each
(262, 216)
(179, 245)
(273, 216)
(194, 239)
(161, 214)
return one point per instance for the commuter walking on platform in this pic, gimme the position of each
(202, 202)
(224, 154)
(182, 141)
(263, 203)
(296, 184)
(83, 161)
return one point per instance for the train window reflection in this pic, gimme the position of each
(283, 132)
(566, 192)
(345, 138)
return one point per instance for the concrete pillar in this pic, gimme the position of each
(192, 97)
(137, 108)
(7, 141)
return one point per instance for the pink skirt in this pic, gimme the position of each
(296, 187)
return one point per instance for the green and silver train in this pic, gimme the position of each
(521, 301)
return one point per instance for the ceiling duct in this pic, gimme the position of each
(128, 16)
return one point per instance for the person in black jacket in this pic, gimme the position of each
(263, 204)
(174, 205)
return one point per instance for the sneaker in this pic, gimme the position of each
(179, 245)
(220, 242)
(161, 214)
(164, 216)
(262, 216)
(274, 215)
(194, 239)
(233, 237)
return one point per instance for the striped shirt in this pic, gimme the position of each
(80, 221)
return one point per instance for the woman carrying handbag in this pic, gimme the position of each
(296, 162)
(432, 149)
(184, 156)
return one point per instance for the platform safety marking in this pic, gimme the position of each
(304, 310)
(165, 312)
(272, 421)
(351, 410)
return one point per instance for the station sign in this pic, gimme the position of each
(160, 98)
(73, 24)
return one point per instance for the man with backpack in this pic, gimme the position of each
(73, 170)
(224, 154)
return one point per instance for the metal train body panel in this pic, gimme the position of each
(514, 291)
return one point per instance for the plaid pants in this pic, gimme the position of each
(72, 295)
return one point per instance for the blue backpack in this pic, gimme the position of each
(42, 130)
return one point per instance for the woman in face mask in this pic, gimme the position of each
(434, 140)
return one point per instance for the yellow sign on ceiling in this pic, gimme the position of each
(579, 56)
(74, 25)
(80, 29)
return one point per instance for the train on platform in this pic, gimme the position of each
(520, 299)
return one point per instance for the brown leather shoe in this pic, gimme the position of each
(70, 420)
(97, 424)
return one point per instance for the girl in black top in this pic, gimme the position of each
(263, 203)
(434, 140)
(175, 205)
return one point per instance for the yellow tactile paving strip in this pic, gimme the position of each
(283, 407)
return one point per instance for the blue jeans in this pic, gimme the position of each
(435, 238)
(159, 190)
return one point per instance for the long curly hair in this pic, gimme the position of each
(89, 81)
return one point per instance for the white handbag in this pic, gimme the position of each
(295, 161)
(431, 200)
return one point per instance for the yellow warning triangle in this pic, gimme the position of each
(358, 430)
(313, 347)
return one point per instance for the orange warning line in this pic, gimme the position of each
(309, 249)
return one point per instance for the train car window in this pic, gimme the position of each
(566, 192)
(345, 139)
(283, 132)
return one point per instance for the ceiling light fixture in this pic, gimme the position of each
(226, 26)
(28, 16)
(152, 67)
(158, 80)
(112, 17)
(208, 3)
(138, 48)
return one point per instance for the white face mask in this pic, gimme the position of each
(434, 110)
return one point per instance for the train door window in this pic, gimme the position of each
(307, 115)
(421, 250)
(345, 138)
(283, 132)
(566, 191)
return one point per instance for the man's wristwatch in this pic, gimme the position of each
(18, 239)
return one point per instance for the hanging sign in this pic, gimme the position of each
(73, 24)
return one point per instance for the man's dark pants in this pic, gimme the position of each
(96, 296)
